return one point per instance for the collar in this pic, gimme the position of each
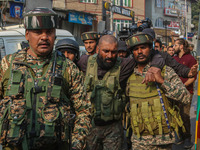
(144, 71)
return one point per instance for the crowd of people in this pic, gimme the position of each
(121, 95)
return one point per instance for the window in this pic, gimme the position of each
(159, 22)
(160, 3)
(183, 7)
(88, 1)
(171, 5)
(117, 2)
(119, 24)
(126, 3)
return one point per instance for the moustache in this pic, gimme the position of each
(141, 55)
(111, 59)
(44, 43)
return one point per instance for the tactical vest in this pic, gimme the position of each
(106, 95)
(35, 111)
(146, 112)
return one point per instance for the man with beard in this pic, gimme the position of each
(90, 40)
(184, 57)
(40, 90)
(154, 117)
(105, 81)
(158, 45)
(180, 69)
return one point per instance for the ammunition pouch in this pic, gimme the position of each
(146, 112)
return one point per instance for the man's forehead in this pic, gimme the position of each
(88, 41)
(141, 45)
(41, 30)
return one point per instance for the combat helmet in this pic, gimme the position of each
(40, 18)
(68, 45)
(138, 39)
(92, 35)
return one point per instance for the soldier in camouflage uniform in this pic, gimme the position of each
(90, 40)
(105, 82)
(154, 115)
(41, 92)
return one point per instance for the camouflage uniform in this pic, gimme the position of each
(175, 90)
(81, 106)
(91, 35)
(40, 69)
(152, 133)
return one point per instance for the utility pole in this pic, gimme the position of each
(111, 15)
(186, 20)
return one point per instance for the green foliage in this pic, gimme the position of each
(195, 14)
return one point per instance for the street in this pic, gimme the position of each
(192, 118)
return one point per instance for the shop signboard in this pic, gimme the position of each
(16, 9)
(80, 18)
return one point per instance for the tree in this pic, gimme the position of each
(195, 14)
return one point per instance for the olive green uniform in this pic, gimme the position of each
(152, 137)
(48, 111)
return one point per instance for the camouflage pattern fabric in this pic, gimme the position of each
(185, 114)
(138, 39)
(173, 89)
(76, 93)
(40, 18)
(61, 146)
(109, 137)
(140, 146)
(89, 36)
(37, 64)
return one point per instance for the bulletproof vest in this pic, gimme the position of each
(106, 95)
(146, 109)
(35, 111)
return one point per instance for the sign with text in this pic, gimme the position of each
(118, 9)
(80, 18)
(174, 24)
(122, 11)
(173, 12)
(16, 10)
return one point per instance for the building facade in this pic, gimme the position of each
(80, 16)
(169, 15)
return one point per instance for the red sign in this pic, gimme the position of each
(173, 12)
(174, 24)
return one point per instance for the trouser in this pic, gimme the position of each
(107, 137)
(185, 115)
(61, 146)
(151, 147)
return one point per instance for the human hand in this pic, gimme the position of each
(158, 77)
(149, 77)
(153, 75)
(193, 71)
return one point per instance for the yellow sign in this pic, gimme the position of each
(132, 13)
(106, 5)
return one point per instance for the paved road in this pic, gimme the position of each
(192, 119)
